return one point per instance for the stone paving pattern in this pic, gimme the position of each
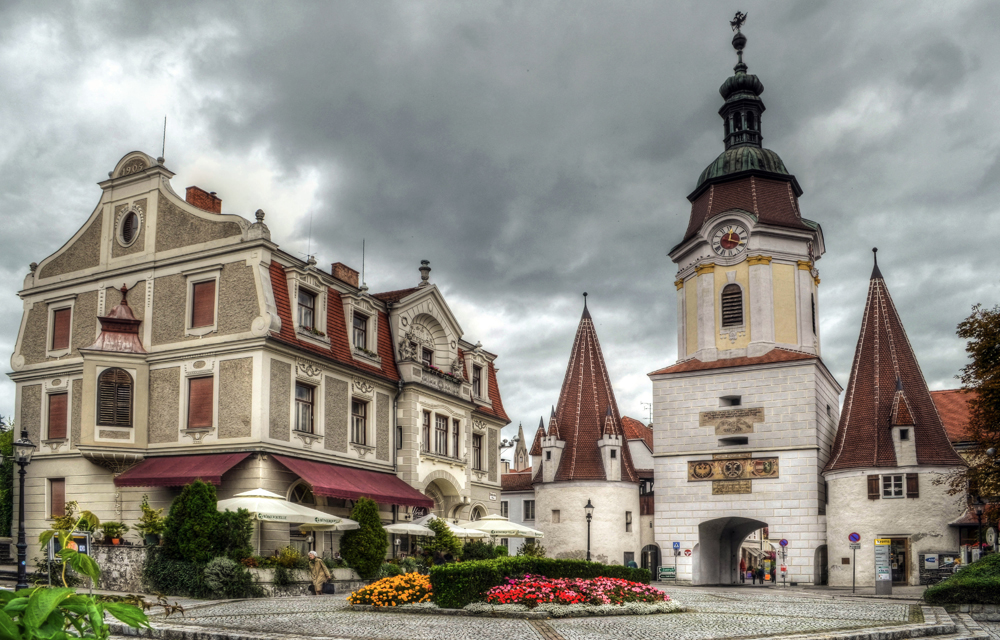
(716, 614)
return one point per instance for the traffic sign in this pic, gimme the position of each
(882, 542)
(855, 545)
(854, 537)
(668, 573)
(687, 552)
(677, 545)
(783, 542)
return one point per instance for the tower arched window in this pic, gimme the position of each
(737, 121)
(114, 398)
(750, 121)
(732, 306)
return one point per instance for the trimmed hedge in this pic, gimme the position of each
(978, 583)
(456, 585)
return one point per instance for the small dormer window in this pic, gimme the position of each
(904, 434)
(360, 331)
(426, 357)
(614, 454)
(477, 381)
(307, 310)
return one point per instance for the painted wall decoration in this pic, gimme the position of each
(733, 469)
(731, 421)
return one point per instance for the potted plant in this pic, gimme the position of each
(113, 531)
(151, 523)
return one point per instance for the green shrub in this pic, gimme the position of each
(478, 550)
(283, 576)
(977, 583)
(190, 530)
(501, 551)
(364, 548)
(234, 535)
(231, 579)
(389, 570)
(444, 539)
(162, 574)
(290, 558)
(152, 522)
(6, 477)
(458, 584)
(111, 529)
(531, 549)
(50, 572)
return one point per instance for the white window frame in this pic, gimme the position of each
(194, 277)
(505, 508)
(367, 430)
(525, 508)
(299, 279)
(207, 372)
(57, 304)
(892, 479)
(295, 407)
(69, 410)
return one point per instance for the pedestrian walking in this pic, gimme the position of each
(753, 574)
(743, 569)
(320, 574)
(760, 574)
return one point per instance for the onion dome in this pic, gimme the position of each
(744, 158)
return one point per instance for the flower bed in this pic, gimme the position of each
(394, 591)
(532, 591)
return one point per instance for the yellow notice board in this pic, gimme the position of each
(882, 542)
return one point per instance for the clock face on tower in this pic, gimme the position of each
(730, 240)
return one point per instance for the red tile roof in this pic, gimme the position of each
(516, 480)
(774, 355)
(886, 372)
(635, 430)
(953, 407)
(497, 410)
(583, 404)
(536, 444)
(394, 296)
(772, 201)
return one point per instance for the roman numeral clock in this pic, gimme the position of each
(730, 240)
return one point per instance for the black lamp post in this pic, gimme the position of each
(23, 449)
(589, 508)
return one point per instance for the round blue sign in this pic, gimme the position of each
(854, 537)
(783, 542)
(677, 545)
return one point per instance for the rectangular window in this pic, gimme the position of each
(427, 357)
(360, 331)
(912, 485)
(359, 422)
(556, 515)
(57, 497)
(628, 521)
(874, 491)
(904, 434)
(477, 381)
(529, 509)
(201, 394)
(307, 310)
(441, 435)
(477, 452)
(303, 407)
(892, 486)
(60, 328)
(455, 439)
(548, 455)
(504, 542)
(614, 453)
(427, 431)
(58, 403)
(504, 509)
(203, 304)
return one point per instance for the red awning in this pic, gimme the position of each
(335, 481)
(175, 471)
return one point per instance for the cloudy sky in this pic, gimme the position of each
(530, 150)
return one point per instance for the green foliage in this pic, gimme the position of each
(977, 583)
(290, 558)
(161, 574)
(86, 521)
(234, 535)
(283, 576)
(51, 572)
(151, 522)
(389, 570)
(501, 551)
(6, 477)
(191, 526)
(458, 584)
(364, 548)
(231, 579)
(111, 529)
(479, 550)
(444, 540)
(531, 549)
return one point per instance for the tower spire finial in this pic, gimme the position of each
(875, 271)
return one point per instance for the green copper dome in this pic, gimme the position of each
(743, 158)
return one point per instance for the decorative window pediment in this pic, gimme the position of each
(308, 295)
(361, 316)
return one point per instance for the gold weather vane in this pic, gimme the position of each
(738, 21)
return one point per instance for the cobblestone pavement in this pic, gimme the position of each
(732, 613)
(992, 628)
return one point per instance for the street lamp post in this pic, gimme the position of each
(589, 508)
(23, 449)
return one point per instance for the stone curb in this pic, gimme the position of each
(514, 615)
(193, 632)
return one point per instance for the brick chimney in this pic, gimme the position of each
(344, 273)
(203, 199)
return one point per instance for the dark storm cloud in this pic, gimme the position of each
(531, 151)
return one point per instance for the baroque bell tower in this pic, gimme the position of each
(743, 421)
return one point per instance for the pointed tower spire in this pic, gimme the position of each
(876, 274)
(586, 404)
(609, 423)
(536, 444)
(887, 390)
(521, 459)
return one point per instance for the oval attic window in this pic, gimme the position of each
(130, 227)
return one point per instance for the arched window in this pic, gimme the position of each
(477, 514)
(129, 226)
(732, 306)
(737, 121)
(750, 122)
(302, 494)
(114, 398)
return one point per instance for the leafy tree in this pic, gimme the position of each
(6, 476)
(531, 549)
(981, 377)
(444, 540)
(234, 535)
(192, 524)
(364, 548)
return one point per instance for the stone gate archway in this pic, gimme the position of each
(719, 543)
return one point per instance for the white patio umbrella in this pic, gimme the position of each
(265, 506)
(409, 529)
(501, 527)
(460, 532)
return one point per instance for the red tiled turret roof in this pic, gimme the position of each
(886, 383)
(516, 480)
(584, 401)
(953, 407)
(635, 430)
(536, 444)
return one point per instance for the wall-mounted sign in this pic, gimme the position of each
(854, 537)
(667, 573)
(727, 487)
(733, 469)
(493, 496)
(731, 421)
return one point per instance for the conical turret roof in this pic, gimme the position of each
(536, 444)
(886, 389)
(582, 412)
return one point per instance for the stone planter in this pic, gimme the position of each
(344, 581)
(121, 567)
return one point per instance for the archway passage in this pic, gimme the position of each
(650, 558)
(719, 547)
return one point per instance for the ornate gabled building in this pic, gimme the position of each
(891, 454)
(744, 420)
(584, 457)
(225, 358)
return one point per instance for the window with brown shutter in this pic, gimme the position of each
(201, 393)
(57, 416)
(114, 398)
(912, 485)
(57, 497)
(732, 306)
(60, 328)
(874, 492)
(203, 304)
